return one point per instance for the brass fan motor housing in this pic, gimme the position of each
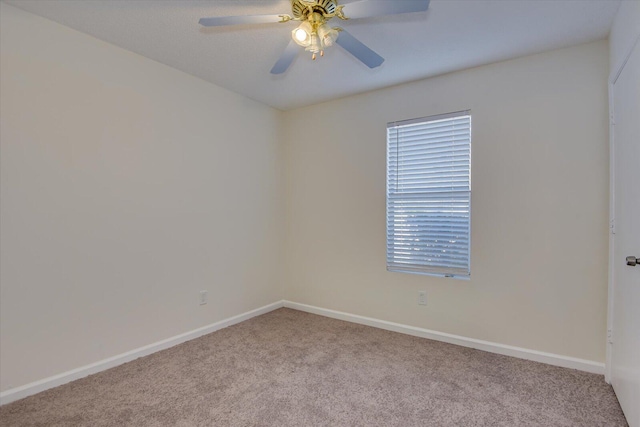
(303, 9)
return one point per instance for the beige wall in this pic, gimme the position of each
(539, 204)
(127, 187)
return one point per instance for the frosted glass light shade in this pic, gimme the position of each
(302, 34)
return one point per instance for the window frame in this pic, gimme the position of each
(425, 269)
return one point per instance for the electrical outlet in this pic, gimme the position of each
(422, 298)
(203, 297)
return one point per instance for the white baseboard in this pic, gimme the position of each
(65, 377)
(507, 350)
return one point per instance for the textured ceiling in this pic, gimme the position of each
(452, 35)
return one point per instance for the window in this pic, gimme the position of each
(429, 195)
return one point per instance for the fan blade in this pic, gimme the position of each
(221, 21)
(286, 59)
(359, 50)
(369, 8)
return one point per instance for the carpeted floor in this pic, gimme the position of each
(289, 368)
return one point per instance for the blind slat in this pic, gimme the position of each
(439, 153)
(439, 140)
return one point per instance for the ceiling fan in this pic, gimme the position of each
(315, 34)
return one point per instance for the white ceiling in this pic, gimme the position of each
(452, 35)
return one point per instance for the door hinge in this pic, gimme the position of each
(612, 226)
(609, 336)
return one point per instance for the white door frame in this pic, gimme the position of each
(612, 217)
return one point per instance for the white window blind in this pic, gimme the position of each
(429, 195)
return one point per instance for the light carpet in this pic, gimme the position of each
(290, 368)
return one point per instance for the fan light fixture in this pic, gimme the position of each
(314, 34)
